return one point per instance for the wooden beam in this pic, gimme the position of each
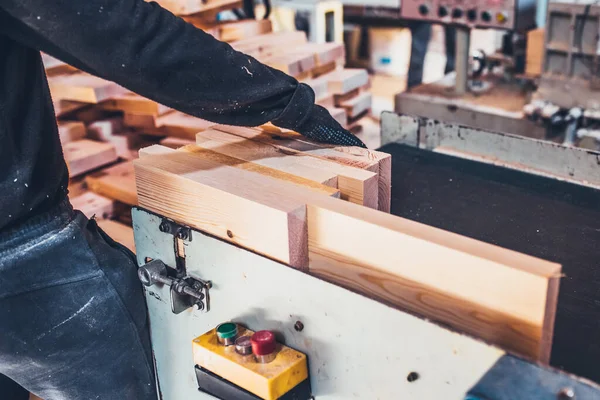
(112, 131)
(118, 232)
(70, 131)
(373, 161)
(257, 211)
(358, 105)
(295, 64)
(85, 155)
(174, 124)
(134, 103)
(224, 159)
(64, 107)
(199, 7)
(263, 154)
(503, 297)
(342, 81)
(93, 205)
(83, 87)
(116, 182)
(176, 143)
(54, 66)
(270, 43)
(356, 185)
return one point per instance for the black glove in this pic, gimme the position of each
(313, 121)
(322, 127)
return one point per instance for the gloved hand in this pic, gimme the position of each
(322, 127)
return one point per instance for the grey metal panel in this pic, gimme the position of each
(572, 164)
(399, 129)
(460, 112)
(576, 165)
(357, 348)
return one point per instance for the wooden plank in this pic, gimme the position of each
(325, 53)
(175, 124)
(341, 98)
(147, 122)
(76, 187)
(264, 214)
(270, 43)
(112, 131)
(266, 155)
(238, 30)
(83, 87)
(358, 105)
(70, 131)
(54, 66)
(178, 124)
(204, 7)
(370, 160)
(85, 155)
(93, 205)
(134, 103)
(323, 69)
(342, 81)
(176, 143)
(225, 159)
(116, 182)
(118, 232)
(503, 297)
(292, 64)
(64, 107)
(355, 185)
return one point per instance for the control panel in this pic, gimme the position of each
(237, 363)
(513, 15)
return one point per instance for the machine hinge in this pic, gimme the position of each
(181, 234)
(185, 291)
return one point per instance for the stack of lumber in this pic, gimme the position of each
(322, 209)
(344, 92)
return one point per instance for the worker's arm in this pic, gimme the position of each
(148, 50)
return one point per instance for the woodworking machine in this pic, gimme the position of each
(227, 323)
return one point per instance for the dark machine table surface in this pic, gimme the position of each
(546, 218)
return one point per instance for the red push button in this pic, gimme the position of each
(263, 343)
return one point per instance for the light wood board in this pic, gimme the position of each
(355, 185)
(93, 205)
(506, 298)
(252, 209)
(288, 141)
(116, 182)
(83, 88)
(70, 131)
(85, 155)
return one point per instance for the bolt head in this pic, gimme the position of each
(299, 326)
(164, 227)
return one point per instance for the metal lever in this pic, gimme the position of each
(185, 292)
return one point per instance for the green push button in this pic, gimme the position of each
(226, 333)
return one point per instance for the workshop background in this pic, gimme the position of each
(518, 68)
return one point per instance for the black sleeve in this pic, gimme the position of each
(148, 50)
